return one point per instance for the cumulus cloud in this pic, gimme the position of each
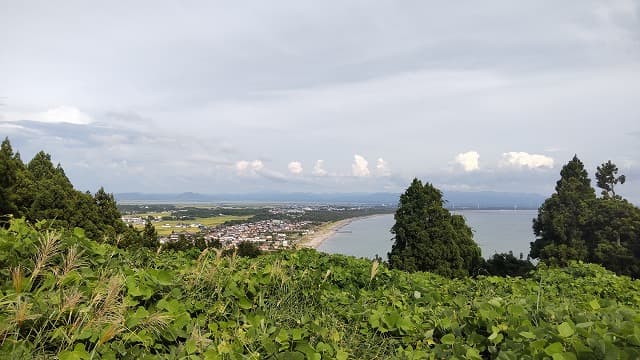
(295, 167)
(382, 167)
(523, 159)
(248, 168)
(468, 160)
(61, 114)
(318, 168)
(360, 166)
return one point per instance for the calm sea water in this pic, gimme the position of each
(495, 231)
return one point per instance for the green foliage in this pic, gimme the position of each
(575, 225)
(429, 238)
(11, 168)
(508, 265)
(90, 300)
(614, 235)
(149, 235)
(248, 249)
(562, 218)
(182, 244)
(41, 191)
(607, 179)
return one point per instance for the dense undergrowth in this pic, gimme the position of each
(62, 295)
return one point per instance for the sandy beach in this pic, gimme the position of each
(325, 231)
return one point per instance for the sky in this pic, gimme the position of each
(332, 96)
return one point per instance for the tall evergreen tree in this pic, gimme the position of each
(614, 236)
(607, 179)
(614, 228)
(51, 195)
(149, 235)
(10, 168)
(560, 225)
(429, 238)
(42, 191)
(110, 217)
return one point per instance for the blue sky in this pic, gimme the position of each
(329, 96)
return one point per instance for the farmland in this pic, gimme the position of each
(166, 227)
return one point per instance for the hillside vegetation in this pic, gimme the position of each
(67, 296)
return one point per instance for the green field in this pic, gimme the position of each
(209, 221)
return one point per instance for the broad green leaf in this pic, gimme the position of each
(244, 303)
(78, 353)
(190, 346)
(448, 339)
(554, 348)
(565, 330)
(296, 334)
(528, 335)
(282, 337)
(162, 277)
(342, 355)
(473, 354)
(212, 354)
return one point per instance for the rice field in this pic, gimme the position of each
(166, 227)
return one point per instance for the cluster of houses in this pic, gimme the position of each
(267, 234)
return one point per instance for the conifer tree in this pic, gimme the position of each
(562, 218)
(10, 166)
(429, 238)
(607, 179)
(149, 235)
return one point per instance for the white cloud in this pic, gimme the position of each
(318, 168)
(360, 166)
(382, 167)
(468, 160)
(523, 159)
(295, 167)
(248, 168)
(61, 114)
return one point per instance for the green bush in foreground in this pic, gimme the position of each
(65, 296)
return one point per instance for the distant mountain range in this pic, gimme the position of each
(455, 199)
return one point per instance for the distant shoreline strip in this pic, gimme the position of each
(328, 230)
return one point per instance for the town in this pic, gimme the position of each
(267, 234)
(269, 229)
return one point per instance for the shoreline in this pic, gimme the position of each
(327, 230)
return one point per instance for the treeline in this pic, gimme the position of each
(572, 225)
(39, 190)
(575, 224)
(428, 237)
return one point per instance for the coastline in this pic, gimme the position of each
(327, 230)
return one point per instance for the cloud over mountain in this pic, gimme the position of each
(526, 160)
(468, 160)
(318, 168)
(382, 167)
(295, 167)
(248, 168)
(360, 166)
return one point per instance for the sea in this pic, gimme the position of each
(495, 231)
